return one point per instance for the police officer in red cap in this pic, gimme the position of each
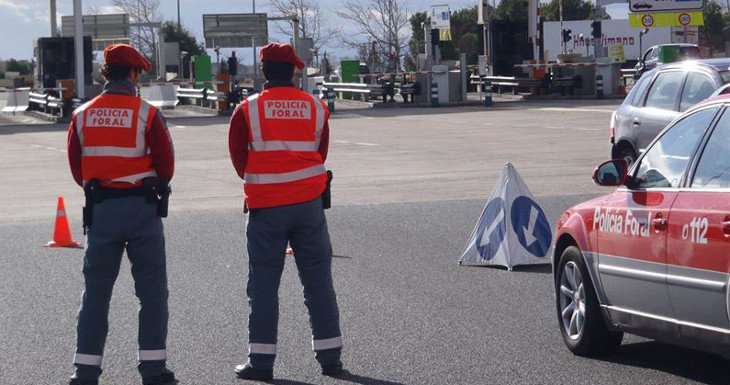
(121, 153)
(278, 142)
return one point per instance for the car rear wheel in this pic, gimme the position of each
(579, 315)
(628, 154)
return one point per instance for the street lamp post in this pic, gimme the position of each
(641, 50)
(79, 50)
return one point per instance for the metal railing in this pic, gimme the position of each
(48, 104)
(366, 90)
(207, 97)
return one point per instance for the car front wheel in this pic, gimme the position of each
(581, 323)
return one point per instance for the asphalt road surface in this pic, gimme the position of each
(410, 184)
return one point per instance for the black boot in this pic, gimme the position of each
(332, 369)
(248, 372)
(77, 381)
(166, 378)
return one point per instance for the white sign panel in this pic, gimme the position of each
(665, 5)
(512, 230)
(440, 17)
(235, 30)
(614, 32)
(106, 27)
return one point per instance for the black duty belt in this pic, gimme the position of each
(111, 193)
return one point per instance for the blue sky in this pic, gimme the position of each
(23, 21)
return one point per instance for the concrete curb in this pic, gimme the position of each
(48, 117)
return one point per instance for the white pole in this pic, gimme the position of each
(161, 62)
(54, 27)
(79, 50)
(562, 40)
(254, 70)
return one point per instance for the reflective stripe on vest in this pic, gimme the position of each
(285, 177)
(259, 144)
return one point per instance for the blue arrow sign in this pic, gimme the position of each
(531, 226)
(492, 229)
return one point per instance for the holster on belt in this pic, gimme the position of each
(92, 193)
(158, 191)
(327, 195)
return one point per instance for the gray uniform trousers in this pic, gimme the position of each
(268, 231)
(129, 223)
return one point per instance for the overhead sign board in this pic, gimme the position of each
(440, 17)
(235, 30)
(105, 27)
(663, 19)
(665, 5)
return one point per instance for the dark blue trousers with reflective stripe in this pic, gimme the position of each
(269, 230)
(119, 224)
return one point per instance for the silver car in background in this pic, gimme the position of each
(660, 96)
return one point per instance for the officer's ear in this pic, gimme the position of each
(134, 75)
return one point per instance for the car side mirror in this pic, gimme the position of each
(612, 173)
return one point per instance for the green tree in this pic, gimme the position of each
(511, 10)
(23, 66)
(712, 34)
(415, 45)
(186, 39)
(465, 35)
(572, 10)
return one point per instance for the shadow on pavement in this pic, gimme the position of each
(539, 269)
(287, 382)
(357, 379)
(682, 362)
(344, 376)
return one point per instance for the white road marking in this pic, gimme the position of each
(38, 146)
(349, 116)
(565, 109)
(355, 143)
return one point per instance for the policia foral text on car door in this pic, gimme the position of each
(120, 151)
(278, 142)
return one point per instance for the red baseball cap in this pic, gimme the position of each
(126, 55)
(283, 53)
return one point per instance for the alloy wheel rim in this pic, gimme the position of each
(572, 300)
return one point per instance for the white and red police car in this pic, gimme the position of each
(653, 257)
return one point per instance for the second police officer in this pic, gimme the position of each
(120, 151)
(278, 142)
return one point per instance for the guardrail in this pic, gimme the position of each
(512, 82)
(46, 103)
(207, 97)
(366, 90)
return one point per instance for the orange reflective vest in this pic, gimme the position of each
(111, 130)
(284, 165)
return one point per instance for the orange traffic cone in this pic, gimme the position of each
(62, 232)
